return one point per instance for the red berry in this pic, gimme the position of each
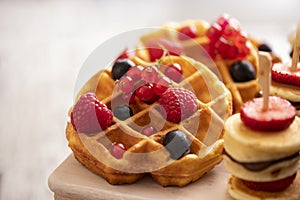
(281, 72)
(214, 32)
(223, 21)
(135, 72)
(117, 150)
(178, 104)
(161, 85)
(149, 74)
(157, 46)
(278, 117)
(272, 186)
(129, 97)
(148, 130)
(126, 84)
(187, 32)
(174, 72)
(231, 31)
(89, 115)
(145, 92)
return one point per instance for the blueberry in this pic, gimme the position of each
(177, 143)
(122, 112)
(242, 71)
(265, 48)
(120, 67)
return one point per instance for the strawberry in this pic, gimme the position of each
(178, 104)
(278, 117)
(282, 73)
(157, 46)
(272, 186)
(89, 115)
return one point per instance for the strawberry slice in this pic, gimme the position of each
(272, 186)
(278, 117)
(281, 72)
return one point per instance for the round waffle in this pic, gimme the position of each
(241, 91)
(147, 155)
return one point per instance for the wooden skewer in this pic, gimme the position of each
(296, 50)
(264, 77)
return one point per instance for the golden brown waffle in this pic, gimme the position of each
(241, 92)
(147, 155)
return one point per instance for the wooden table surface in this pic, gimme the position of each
(42, 47)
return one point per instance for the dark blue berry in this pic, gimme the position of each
(242, 71)
(177, 143)
(120, 67)
(265, 48)
(122, 112)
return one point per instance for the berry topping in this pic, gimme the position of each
(126, 84)
(157, 46)
(148, 130)
(146, 93)
(278, 117)
(117, 150)
(174, 72)
(120, 67)
(178, 104)
(89, 115)
(187, 32)
(161, 85)
(242, 71)
(122, 112)
(149, 74)
(272, 186)
(264, 47)
(129, 97)
(282, 73)
(177, 144)
(226, 39)
(135, 72)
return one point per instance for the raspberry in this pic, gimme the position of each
(178, 104)
(281, 72)
(278, 117)
(89, 115)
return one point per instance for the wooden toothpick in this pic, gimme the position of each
(296, 50)
(264, 77)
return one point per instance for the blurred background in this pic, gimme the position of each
(43, 45)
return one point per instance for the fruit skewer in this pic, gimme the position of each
(295, 58)
(264, 77)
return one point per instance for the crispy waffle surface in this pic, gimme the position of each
(241, 91)
(146, 155)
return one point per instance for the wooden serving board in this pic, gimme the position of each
(72, 181)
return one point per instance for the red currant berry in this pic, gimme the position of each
(135, 72)
(223, 21)
(148, 130)
(149, 74)
(187, 32)
(126, 84)
(174, 72)
(145, 92)
(214, 32)
(161, 85)
(129, 97)
(231, 31)
(117, 150)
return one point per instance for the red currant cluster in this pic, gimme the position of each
(146, 83)
(226, 39)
